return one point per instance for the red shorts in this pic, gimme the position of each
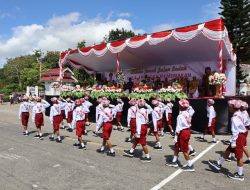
(80, 128)
(39, 120)
(246, 135)
(63, 114)
(169, 122)
(86, 116)
(212, 127)
(142, 139)
(183, 140)
(70, 116)
(240, 144)
(132, 126)
(56, 122)
(107, 129)
(25, 118)
(159, 124)
(118, 116)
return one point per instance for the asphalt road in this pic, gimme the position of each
(28, 163)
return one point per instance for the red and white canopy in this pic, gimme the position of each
(197, 44)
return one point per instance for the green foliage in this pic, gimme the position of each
(50, 60)
(8, 89)
(30, 76)
(118, 34)
(164, 96)
(236, 16)
(81, 44)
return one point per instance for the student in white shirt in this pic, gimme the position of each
(182, 137)
(24, 114)
(211, 115)
(55, 119)
(238, 141)
(118, 116)
(169, 111)
(106, 116)
(69, 113)
(131, 119)
(37, 115)
(88, 104)
(143, 110)
(62, 103)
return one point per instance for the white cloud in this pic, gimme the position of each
(60, 33)
(211, 10)
(125, 14)
(162, 27)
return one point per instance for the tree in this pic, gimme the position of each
(50, 60)
(236, 16)
(118, 34)
(30, 76)
(81, 44)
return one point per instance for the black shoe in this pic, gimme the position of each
(236, 176)
(158, 147)
(161, 135)
(128, 140)
(111, 154)
(100, 151)
(76, 144)
(62, 127)
(215, 165)
(36, 136)
(231, 158)
(70, 130)
(128, 130)
(192, 153)
(128, 153)
(51, 138)
(247, 162)
(172, 164)
(122, 129)
(213, 142)
(202, 139)
(188, 168)
(26, 134)
(40, 137)
(172, 134)
(82, 147)
(59, 140)
(145, 159)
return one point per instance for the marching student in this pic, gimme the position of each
(62, 103)
(119, 109)
(157, 115)
(143, 110)
(86, 112)
(79, 122)
(69, 113)
(191, 112)
(88, 104)
(106, 116)
(131, 119)
(246, 121)
(98, 108)
(24, 114)
(211, 115)
(238, 141)
(37, 115)
(55, 119)
(182, 137)
(169, 110)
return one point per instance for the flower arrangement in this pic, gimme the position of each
(217, 78)
(170, 89)
(144, 92)
(55, 85)
(111, 92)
(76, 92)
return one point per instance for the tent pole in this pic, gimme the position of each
(220, 64)
(117, 69)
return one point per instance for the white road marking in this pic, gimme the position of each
(35, 186)
(176, 173)
(57, 165)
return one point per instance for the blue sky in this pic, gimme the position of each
(59, 24)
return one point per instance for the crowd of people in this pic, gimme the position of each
(76, 114)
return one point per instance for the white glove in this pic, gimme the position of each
(175, 139)
(233, 145)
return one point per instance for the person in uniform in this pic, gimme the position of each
(237, 141)
(131, 119)
(69, 113)
(118, 117)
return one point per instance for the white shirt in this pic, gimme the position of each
(246, 119)
(119, 107)
(157, 114)
(237, 125)
(131, 114)
(39, 108)
(87, 104)
(169, 109)
(142, 117)
(97, 112)
(79, 114)
(62, 104)
(54, 111)
(106, 115)
(191, 111)
(25, 107)
(69, 108)
(210, 114)
(183, 121)
(86, 107)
